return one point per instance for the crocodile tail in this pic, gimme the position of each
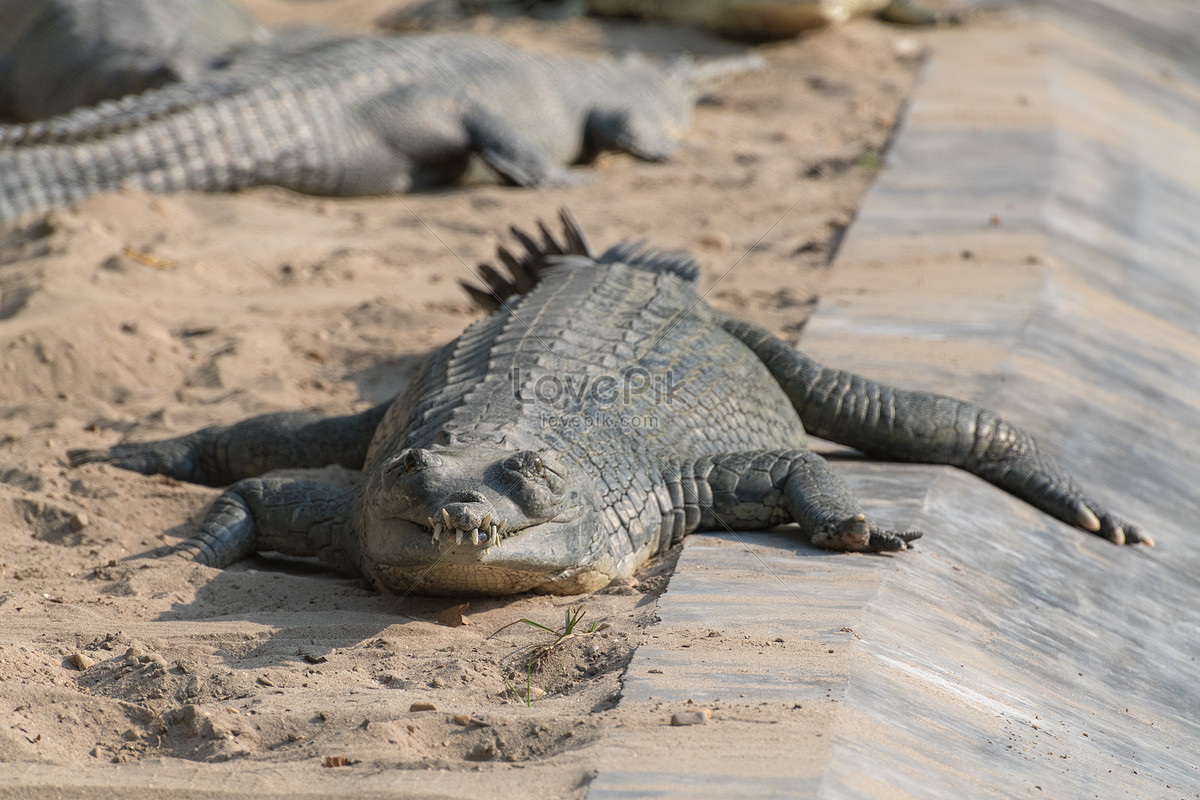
(524, 272)
(713, 74)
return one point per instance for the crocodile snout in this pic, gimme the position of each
(467, 510)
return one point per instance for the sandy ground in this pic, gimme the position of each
(132, 316)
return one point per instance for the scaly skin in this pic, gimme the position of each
(357, 116)
(57, 55)
(599, 414)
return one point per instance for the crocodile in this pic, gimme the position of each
(599, 414)
(752, 20)
(360, 116)
(56, 55)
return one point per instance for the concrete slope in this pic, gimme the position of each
(1032, 244)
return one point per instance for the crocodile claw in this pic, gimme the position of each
(856, 534)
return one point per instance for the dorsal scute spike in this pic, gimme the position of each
(532, 248)
(577, 243)
(549, 246)
(523, 278)
(483, 298)
(493, 276)
(497, 282)
(570, 251)
(626, 252)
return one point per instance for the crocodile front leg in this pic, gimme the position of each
(300, 518)
(759, 490)
(219, 456)
(932, 429)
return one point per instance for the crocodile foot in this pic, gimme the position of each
(858, 535)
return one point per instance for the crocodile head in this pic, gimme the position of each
(481, 518)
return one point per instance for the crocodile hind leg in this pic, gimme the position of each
(932, 429)
(433, 132)
(512, 152)
(220, 455)
(301, 518)
(760, 490)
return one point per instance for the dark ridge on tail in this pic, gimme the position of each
(524, 273)
(651, 259)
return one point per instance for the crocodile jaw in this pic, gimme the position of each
(556, 557)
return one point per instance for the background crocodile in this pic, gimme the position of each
(56, 55)
(358, 116)
(742, 19)
(598, 415)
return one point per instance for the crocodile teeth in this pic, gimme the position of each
(486, 535)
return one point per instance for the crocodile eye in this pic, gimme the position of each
(536, 472)
(525, 463)
(414, 460)
(529, 464)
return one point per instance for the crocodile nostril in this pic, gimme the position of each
(467, 516)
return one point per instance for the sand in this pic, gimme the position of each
(135, 316)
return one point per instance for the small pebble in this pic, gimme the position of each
(462, 719)
(79, 661)
(906, 47)
(697, 716)
(422, 707)
(482, 752)
(131, 735)
(78, 522)
(716, 240)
